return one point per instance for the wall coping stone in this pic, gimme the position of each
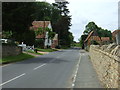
(116, 58)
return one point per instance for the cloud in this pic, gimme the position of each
(103, 12)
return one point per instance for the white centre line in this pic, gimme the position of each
(39, 66)
(74, 79)
(12, 79)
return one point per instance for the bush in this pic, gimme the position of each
(39, 43)
(58, 47)
(93, 42)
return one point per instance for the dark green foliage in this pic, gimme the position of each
(17, 18)
(63, 24)
(39, 43)
(82, 39)
(93, 42)
(91, 26)
(29, 38)
(7, 34)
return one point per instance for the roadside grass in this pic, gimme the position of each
(46, 50)
(77, 45)
(20, 57)
(30, 51)
(65, 47)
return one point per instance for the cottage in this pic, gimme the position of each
(44, 24)
(93, 36)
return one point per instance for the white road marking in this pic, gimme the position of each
(12, 79)
(74, 78)
(39, 66)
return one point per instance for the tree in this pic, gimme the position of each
(63, 24)
(17, 18)
(91, 26)
(82, 39)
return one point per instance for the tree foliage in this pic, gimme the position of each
(91, 26)
(63, 24)
(18, 16)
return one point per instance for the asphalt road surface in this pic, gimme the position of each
(54, 70)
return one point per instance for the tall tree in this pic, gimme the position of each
(91, 26)
(17, 17)
(63, 25)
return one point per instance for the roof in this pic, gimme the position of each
(89, 35)
(37, 24)
(40, 36)
(105, 38)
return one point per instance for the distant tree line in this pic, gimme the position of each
(18, 17)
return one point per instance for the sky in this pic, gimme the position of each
(103, 12)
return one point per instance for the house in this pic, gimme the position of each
(55, 41)
(116, 36)
(105, 40)
(43, 24)
(93, 36)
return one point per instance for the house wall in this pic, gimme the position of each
(49, 26)
(96, 38)
(11, 50)
(48, 42)
(106, 61)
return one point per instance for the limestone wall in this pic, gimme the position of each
(106, 60)
(11, 50)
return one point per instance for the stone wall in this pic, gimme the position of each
(11, 50)
(106, 60)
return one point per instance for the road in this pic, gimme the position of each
(54, 70)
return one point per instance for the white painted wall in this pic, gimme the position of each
(48, 42)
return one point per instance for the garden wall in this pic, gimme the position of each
(106, 60)
(11, 50)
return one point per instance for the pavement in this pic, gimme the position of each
(86, 75)
(69, 68)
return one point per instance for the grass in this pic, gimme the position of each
(17, 58)
(77, 45)
(46, 50)
(34, 52)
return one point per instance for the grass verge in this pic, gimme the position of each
(46, 50)
(17, 58)
(34, 52)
